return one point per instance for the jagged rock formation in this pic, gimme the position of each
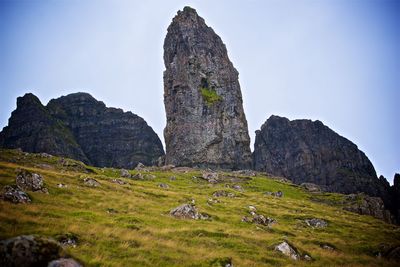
(206, 124)
(32, 129)
(307, 151)
(108, 136)
(80, 127)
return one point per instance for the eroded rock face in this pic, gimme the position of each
(108, 136)
(32, 129)
(307, 151)
(366, 205)
(206, 125)
(80, 127)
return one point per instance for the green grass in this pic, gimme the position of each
(210, 95)
(142, 233)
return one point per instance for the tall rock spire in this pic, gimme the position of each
(206, 124)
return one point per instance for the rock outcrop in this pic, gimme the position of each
(80, 127)
(309, 152)
(206, 124)
(33, 129)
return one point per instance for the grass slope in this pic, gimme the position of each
(142, 233)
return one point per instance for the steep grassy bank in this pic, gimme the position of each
(130, 225)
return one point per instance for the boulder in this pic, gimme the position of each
(125, 173)
(64, 262)
(28, 251)
(366, 205)
(91, 182)
(206, 124)
(310, 187)
(29, 181)
(316, 223)
(223, 193)
(288, 250)
(274, 194)
(118, 181)
(14, 194)
(185, 211)
(162, 185)
(211, 177)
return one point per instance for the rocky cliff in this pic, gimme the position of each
(307, 151)
(33, 129)
(206, 124)
(80, 127)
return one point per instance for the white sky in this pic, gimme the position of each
(333, 60)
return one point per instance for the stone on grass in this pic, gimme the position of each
(288, 250)
(67, 240)
(29, 181)
(274, 194)
(162, 185)
(211, 177)
(91, 182)
(310, 187)
(316, 223)
(125, 173)
(29, 250)
(223, 193)
(14, 194)
(189, 211)
(64, 262)
(118, 181)
(61, 185)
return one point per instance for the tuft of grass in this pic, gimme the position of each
(210, 95)
(142, 233)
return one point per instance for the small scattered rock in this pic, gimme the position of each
(223, 193)
(316, 223)
(262, 220)
(140, 167)
(245, 172)
(167, 167)
(45, 155)
(327, 247)
(149, 176)
(14, 194)
(310, 187)
(138, 176)
(257, 218)
(162, 185)
(111, 211)
(237, 188)
(67, 240)
(125, 173)
(212, 201)
(188, 211)
(307, 257)
(211, 177)
(91, 182)
(288, 250)
(29, 181)
(64, 262)
(62, 185)
(172, 178)
(274, 194)
(118, 181)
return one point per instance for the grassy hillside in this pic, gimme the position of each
(130, 225)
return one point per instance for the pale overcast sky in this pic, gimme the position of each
(337, 61)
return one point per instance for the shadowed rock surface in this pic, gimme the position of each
(80, 127)
(309, 152)
(206, 124)
(33, 129)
